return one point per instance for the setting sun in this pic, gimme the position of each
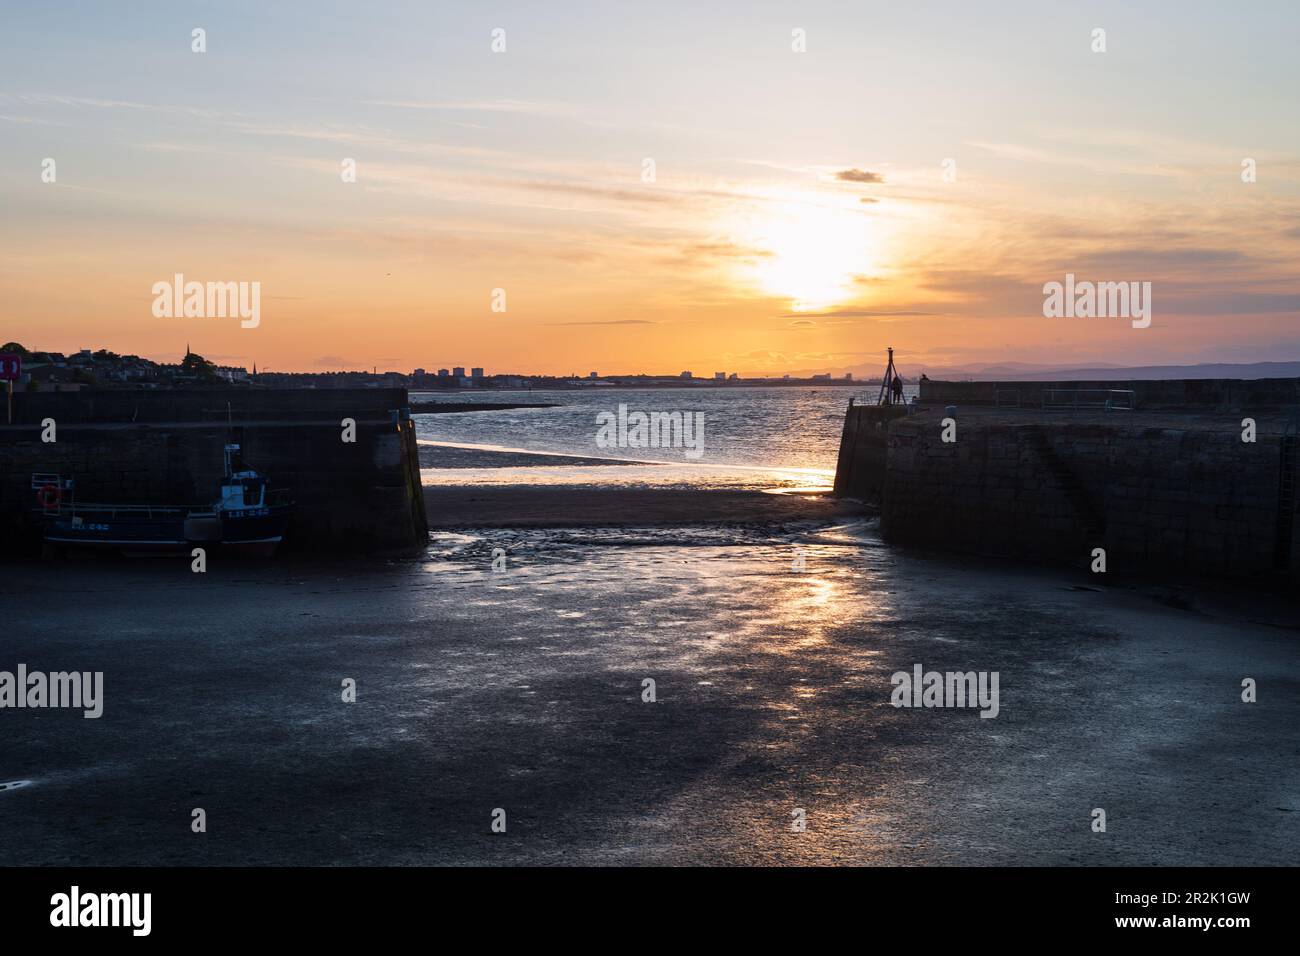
(813, 250)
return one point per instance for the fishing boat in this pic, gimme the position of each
(247, 518)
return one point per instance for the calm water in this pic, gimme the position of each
(795, 431)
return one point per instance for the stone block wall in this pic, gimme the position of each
(1182, 394)
(217, 405)
(350, 497)
(1190, 499)
(860, 469)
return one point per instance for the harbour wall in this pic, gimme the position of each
(167, 448)
(860, 469)
(1159, 394)
(1158, 491)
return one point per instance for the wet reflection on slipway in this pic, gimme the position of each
(777, 661)
(774, 685)
(523, 689)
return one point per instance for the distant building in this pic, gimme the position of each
(720, 376)
(825, 377)
(848, 376)
(443, 373)
(592, 375)
(733, 376)
(476, 373)
(458, 371)
(685, 375)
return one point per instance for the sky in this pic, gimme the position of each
(761, 188)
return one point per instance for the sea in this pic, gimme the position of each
(763, 437)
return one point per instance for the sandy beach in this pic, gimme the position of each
(483, 487)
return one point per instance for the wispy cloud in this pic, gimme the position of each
(607, 322)
(859, 176)
(53, 99)
(524, 107)
(851, 314)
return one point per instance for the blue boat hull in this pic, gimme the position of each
(135, 534)
(255, 532)
(250, 531)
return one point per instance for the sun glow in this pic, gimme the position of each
(813, 252)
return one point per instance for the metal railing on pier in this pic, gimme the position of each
(1109, 399)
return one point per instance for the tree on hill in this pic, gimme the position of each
(196, 365)
(15, 347)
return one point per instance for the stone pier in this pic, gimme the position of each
(142, 447)
(1168, 486)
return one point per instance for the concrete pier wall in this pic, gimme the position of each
(1172, 394)
(218, 405)
(351, 497)
(1159, 491)
(860, 470)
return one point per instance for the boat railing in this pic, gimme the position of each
(148, 511)
(56, 497)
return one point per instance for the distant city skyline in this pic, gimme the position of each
(1006, 370)
(655, 188)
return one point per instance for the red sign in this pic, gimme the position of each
(11, 366)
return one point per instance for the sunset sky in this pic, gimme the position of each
(799, 219)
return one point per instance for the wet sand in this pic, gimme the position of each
(584, 506)
(445, 407)
(522, 690)
(453, 457)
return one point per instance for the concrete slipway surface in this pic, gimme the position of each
(522, 690)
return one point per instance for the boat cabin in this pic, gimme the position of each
(242, 487)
